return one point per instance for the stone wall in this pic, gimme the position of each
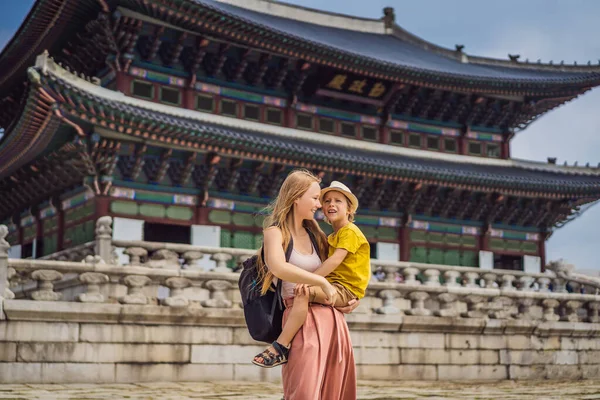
(92, 343)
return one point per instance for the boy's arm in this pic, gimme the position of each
(332, 262)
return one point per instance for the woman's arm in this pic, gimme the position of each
(332, 262)
(275, 260)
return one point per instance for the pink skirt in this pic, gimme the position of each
(321, 362)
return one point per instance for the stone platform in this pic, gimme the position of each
(530, 390)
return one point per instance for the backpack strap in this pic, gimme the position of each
(313, 240)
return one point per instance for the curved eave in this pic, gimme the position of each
(172, 126)
(30, 135)
(46, 176)
(45, 23)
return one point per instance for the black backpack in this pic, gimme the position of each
(263, 313)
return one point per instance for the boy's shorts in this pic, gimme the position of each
(343, 294)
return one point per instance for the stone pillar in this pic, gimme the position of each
(4, 246)
(104, 239)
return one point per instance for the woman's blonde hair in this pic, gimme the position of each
(279, 213)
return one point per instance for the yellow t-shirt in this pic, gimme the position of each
(354, 272)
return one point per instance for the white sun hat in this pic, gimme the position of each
(343, 189)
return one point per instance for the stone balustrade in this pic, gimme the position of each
(402, 288)
(164, 315)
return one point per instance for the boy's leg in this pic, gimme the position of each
(318, 296)
(294, 322)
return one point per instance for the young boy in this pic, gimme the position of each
(348, 269)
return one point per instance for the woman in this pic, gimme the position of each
(321, 363)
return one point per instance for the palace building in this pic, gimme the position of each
(181, 118)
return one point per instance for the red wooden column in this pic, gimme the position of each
(122, 82)
(542, 250)
(484, 238)
(462, 141)
(403, 233)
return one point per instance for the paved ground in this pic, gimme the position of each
(575, 390)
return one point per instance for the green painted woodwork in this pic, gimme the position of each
(451, 257)
(243, 219)
(152, 210)
(418, 236)
(369, 231)
(435, 256)
(259, 220)
(29, 233)
(220, 217)
(469, 259)
(366, 220)
(124, 207)
(181, 213)
(529, 247)
(225, 238)
(387, 233)
(156, 197)
(243, 240)
(49, 225)
(437, 238)
(469, 241)
(50, 244)
(453, 240)
(496, 244)
(258, 240)
(418, 254)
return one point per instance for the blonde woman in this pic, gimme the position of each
(321, 363)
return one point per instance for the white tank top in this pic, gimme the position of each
(308, 262)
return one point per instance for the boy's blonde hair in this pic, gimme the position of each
(280, 215)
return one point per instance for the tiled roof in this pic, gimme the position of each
(393, 51)
(255, 139)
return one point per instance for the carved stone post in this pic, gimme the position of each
(560, 285)
(476, 306)
(390, 274)
(500, 307)
(593, 308)
(571, 308)
(135, 294)
(8, 294)
(46, 292)
(4, 246)
(218, 296)
(104, 239)
(388, 296)
(433, 277)
(176, 297)
(550, 306)
(192, 259)
(525, 283)
(544, 284)
(447, 305)
(93, 280)
(490, 280)
(221, 259)
(418, 304)
(410, 276)
(136, 254)
(471, 279)
(450, 278)
(525, 304)
(507, 282)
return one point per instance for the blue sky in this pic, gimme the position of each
(537, 29)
